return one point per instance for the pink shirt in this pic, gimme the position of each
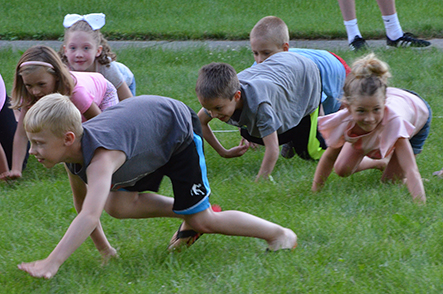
(89, 87)
(405, 114)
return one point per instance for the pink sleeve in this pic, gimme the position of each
(395, 128)
(82, 98)
(2, 93)
(333, 127)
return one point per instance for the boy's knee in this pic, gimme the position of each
(113, 210)
(198, 224)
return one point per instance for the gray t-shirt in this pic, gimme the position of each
(115, 72)
(278, 93)
(148, 129)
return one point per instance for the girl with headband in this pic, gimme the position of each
(85, 49)
(40, 72)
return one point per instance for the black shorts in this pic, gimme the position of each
(187, 171)
(300, 136)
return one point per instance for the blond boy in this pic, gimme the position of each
(130, 147)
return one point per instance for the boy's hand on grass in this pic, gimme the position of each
(40, 268)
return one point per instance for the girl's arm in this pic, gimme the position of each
(324, 168)
(3, 161)
(406, 160)
(271, 156)
(19, 149)
(92, 111)
(209, 136)
(123, 92)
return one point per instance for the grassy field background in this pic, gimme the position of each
(356, 236)
(221, 19)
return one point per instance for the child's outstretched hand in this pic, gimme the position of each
(239, 150)
(40, 268)
(10, 175)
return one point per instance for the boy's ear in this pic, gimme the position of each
(69, 138)
(286, 47)
(237, 96)
(99, 51)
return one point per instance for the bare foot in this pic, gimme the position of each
(39, 269)
(438, 173)
(288, 240)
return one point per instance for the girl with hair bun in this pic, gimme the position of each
(380, 127)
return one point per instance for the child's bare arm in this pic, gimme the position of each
(405, 154)
(79, 190)
(3, 161)
(92, 111)
(123, 92)
(325, 167)
(99, 173)
(18, 150)
(209, 136)
(271, 156)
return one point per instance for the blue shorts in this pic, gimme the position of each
(418, 140)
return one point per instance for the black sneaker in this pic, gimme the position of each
(287, 150)
(358, 44)
(407, 40)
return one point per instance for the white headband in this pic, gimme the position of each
(95, 20)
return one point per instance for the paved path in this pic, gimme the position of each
(314, 44)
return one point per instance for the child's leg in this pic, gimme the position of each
(124, 204)
(393, 171)
(368, 163)
(348, 161)
(237, 223)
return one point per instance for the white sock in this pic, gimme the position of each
(392, 26)
(352, 29)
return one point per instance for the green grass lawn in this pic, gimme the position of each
(209, 19)
(356, 236)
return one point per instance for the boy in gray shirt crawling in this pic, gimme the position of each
(122, 152)
(274, 102)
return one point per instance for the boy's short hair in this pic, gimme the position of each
(55, 112)
(217, 80)
(271, 28)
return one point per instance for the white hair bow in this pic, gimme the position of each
(95, 20)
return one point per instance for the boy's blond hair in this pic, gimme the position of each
(217, 80)
(55, 112)
(271, 28)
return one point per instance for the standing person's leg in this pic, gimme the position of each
(390, 19)
(395, 36)
(355, 39)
